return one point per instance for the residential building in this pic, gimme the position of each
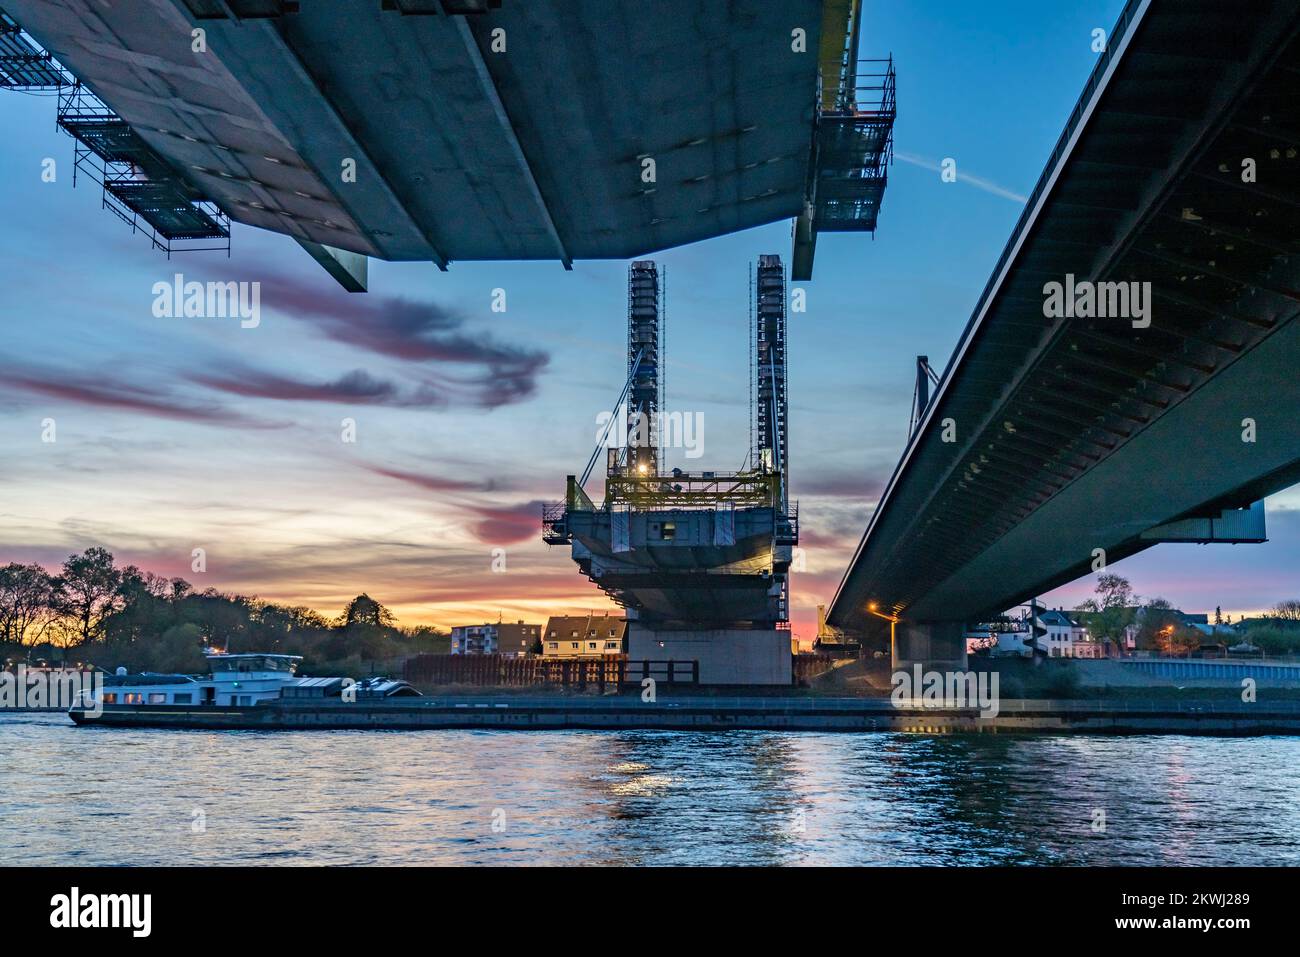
(1067, 636)
(498, 638)
(1135, 642)
(578, 636)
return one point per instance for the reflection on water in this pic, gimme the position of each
(100, 796)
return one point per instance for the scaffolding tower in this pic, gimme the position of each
(771, 404)
(855, 145)
(644, 331)
(23, 64)
(138, 186)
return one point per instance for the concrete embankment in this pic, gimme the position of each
(721, 713)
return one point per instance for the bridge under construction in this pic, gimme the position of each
(443, 130)
(700, 560)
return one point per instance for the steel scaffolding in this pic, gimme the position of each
(138, 186)
(644, 331)
(769, 361)
(855, 145)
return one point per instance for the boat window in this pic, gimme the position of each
(133, 697)
(157, 697)
(110, 698)
(182, 698)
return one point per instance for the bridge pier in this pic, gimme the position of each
(726, 656)
(934, 645)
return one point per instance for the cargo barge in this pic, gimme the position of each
(702, 713)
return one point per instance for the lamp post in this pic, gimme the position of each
(893, 620)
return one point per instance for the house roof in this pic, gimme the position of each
(564, 625)
(1056, 616)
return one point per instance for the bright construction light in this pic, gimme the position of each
(642, 468)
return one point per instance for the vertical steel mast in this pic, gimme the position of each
(769, 337)
(644, 329)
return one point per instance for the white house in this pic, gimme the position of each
(1067, 636)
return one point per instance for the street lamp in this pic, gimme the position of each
(892, 619)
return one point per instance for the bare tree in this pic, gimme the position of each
(26, 603)
(1287, 610)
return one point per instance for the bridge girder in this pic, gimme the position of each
(1092, 395)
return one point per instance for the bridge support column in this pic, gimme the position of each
(725, 656)
(934, 645)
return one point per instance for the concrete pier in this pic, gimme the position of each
(727, 656)
(934, 645)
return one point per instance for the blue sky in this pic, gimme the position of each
(175, 434)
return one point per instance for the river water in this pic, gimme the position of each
(108, 796)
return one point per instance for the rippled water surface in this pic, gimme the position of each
(105, 796)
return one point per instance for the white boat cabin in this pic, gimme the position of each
(240, 681)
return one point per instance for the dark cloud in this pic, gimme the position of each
(504, 526)
(355, 387)
(462, 366)
(106, 392)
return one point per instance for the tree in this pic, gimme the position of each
(1153, 619)
(26, 603)
(142, 609)
(223, 620)
(1111, 611)
(1177, 640)
(1287, 610)
(86, 591)
(364, 610)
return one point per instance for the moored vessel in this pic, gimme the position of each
(234, 682)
